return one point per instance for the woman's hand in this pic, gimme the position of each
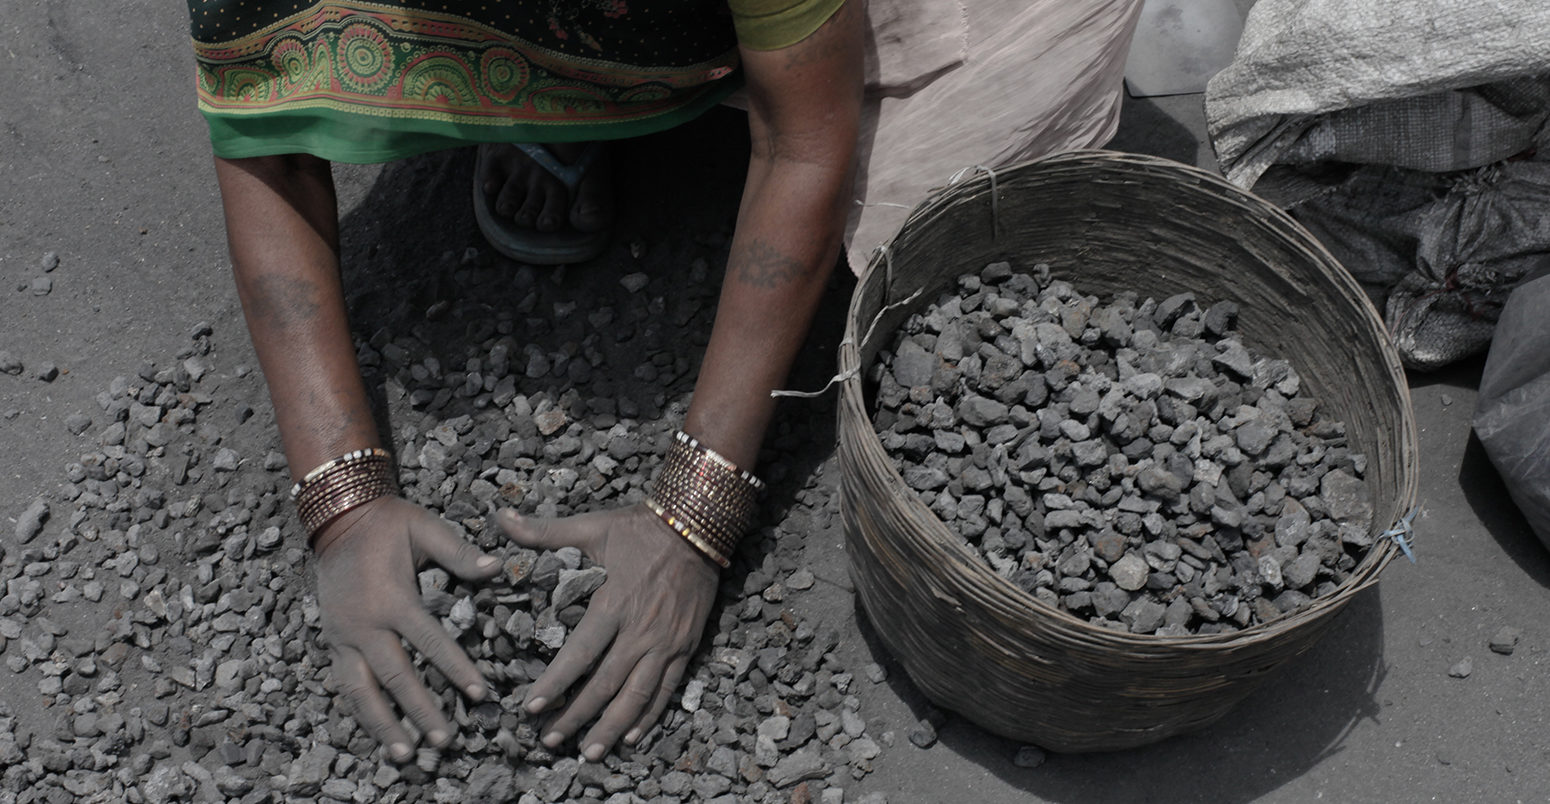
(370, 598)
(639, 631)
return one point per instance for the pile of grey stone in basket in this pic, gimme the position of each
(1127, 460)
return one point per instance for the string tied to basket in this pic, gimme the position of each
(995, 204)
(887, 255)
(1403, 533)
(855, 371)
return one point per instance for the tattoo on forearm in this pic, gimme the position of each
(765, 266)
(283, 301)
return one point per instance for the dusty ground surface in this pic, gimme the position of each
(107, 165)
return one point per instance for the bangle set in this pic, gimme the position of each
(350, 480)
(700, 494)
(704, 497)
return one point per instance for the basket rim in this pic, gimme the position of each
(951, 548)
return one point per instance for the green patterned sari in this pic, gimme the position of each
(358, 81)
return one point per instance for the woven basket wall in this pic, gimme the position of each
(971, 640)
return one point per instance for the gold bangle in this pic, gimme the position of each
(705, 498)
(351, 480)
(329, 466)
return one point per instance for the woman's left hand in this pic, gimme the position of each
(639, 631)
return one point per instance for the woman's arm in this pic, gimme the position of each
(641, 627)
(283, 229)
(804, 111)
(282, 225)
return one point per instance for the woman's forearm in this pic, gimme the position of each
(282, 224)
(787, 241)
(804, 113)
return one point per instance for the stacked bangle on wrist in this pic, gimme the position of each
(350, 480)
(704, 497)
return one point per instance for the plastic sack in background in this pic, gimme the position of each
(1512, 413)
(1439, 253)
(957, 83)
(1386, 127)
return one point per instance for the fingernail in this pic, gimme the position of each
(399, 751)
(436, 736)
(594, 752)
(537, 705)
(475, 691)
(487, 562)
(553, 739)
(633, 737)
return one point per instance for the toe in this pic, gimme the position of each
(533, 198)
(552, 216)
(513, 194)
(486, 170)
(593, 209)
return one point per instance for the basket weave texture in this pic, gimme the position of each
(1107, 222)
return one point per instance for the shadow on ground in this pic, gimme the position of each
(414, 262)
(1147, 127)
(1296, 720)
(1479, 481)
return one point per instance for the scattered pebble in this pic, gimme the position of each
(1029, 756)
(1506, 640)
(924, 734)
(1462, 668)
(30, 523)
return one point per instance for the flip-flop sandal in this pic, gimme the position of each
(530, 245)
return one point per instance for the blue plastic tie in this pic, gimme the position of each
(1403, 533)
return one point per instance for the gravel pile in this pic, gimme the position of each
(1129, 461)
(161, 602)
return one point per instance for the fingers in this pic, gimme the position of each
(673, 674)
(609, 683)
(371, 710)
(580, 652)
(392, 669)
(455, 554)
(639, 692)
(584, 532)
(442, 651)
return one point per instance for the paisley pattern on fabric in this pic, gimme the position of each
(395, 61)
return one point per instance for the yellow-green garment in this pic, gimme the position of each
(357, 81)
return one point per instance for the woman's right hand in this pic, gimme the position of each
(369, 596)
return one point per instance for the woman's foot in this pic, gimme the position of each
(531, 194)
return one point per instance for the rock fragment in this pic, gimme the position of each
(30, 523)
(1505, 640)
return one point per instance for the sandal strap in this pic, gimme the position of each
(570, 175)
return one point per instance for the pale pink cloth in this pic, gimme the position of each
(957, 83)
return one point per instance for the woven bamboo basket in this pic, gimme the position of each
(971, 640)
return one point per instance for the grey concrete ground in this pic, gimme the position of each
(106, 163)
